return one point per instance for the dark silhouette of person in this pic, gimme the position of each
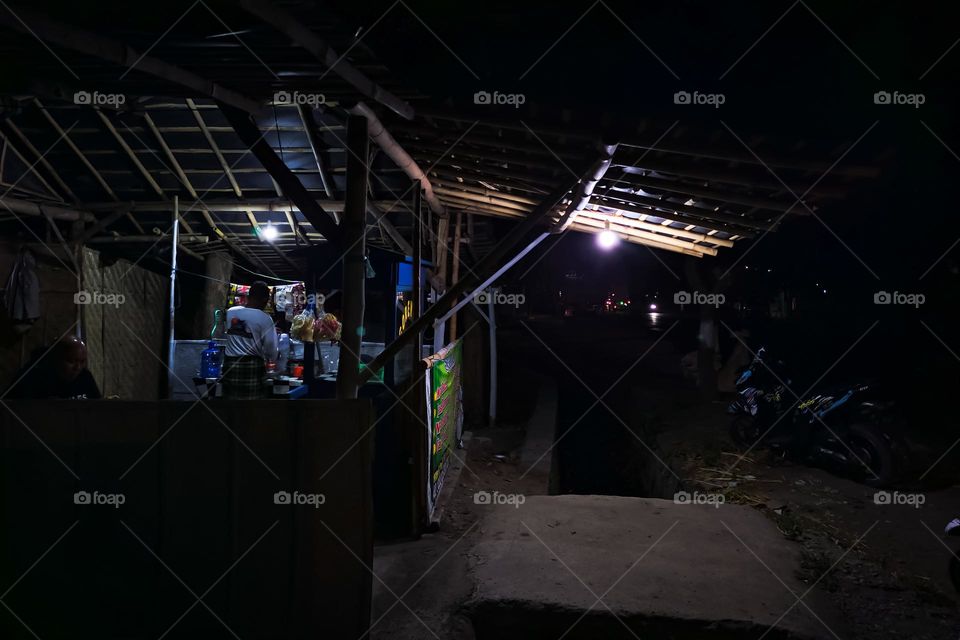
(61, 372)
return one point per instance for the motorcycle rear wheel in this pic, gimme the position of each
(744, 430)
(875, 466)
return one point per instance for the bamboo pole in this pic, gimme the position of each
(458, 203)
(464, 195)
(580, 226)
(650, 207)
(452, 185)
(443, 249)
(455, 276)
(673, 186)
(656, 228)
(646, 235)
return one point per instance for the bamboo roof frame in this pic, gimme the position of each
(674, 194)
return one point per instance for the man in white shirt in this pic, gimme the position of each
(251, 342)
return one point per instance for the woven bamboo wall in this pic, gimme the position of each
(57, 311)
(126, 342)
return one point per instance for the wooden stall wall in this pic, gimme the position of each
(126, 342)
(147, 520)
(57, 310)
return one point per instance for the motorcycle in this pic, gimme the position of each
(952, 530)
(841, 432)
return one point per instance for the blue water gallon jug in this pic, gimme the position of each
(210, 361)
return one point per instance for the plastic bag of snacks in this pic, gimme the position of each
(237, 296)
(298, 295)
(327, 327)
(302, 326)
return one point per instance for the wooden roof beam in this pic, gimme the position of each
(83, 158)
(633, 202)
(700, 191)
(41, 160)
(92, 44)
(313, 136)
(185, 181)
(695, 171)
(655, 228)
(853, 171)
(139, 165)
(379, 134)
(249, 132)
(293, 28)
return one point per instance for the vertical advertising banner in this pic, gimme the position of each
(445, 403)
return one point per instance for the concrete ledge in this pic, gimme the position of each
(537, 450)
(673, 570)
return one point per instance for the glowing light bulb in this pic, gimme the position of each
(607, 239)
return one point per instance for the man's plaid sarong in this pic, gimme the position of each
(243, 378)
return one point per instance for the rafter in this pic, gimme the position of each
(185, 181)
(293, 27)
(83, 159)
(87, 42)
(40, 159)
(139, 165)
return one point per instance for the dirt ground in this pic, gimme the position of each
(431, 575)
(885, 565)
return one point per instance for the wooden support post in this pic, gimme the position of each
(492, 321)
(354, 273)
(443, 249)
(417, 272)
(440, 252)
(455, 276)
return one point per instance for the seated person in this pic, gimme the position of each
(59, 373)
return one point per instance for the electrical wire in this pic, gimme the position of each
(268, 277)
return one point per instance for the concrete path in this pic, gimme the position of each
(614, 567)
(536, 454)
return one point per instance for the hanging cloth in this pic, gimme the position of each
(21, 298)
